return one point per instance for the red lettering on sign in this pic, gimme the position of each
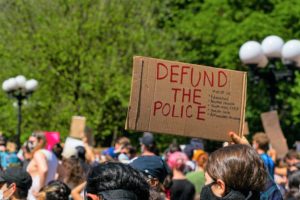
(173, 111)
(174, 74)
(210, 79)
(157, 105)
(166, 109)
(196, 96)
(201, 112)
(175, 93)
(186, 111)
(183, 72)
(186, 93)
(192, 78)
(224, 79)
(181, 113)
(161, 71)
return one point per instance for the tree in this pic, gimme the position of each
(211, 33)
(81, 53)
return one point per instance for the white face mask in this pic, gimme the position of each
(1, 194)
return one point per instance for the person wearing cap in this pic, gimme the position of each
(153, 167)
(155, 171)
(115, 181)
(14, 184)
(148, 145)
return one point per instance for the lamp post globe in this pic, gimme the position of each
(31, 85)
(291, 52)
(254, 54)
(20, 89)
(251, 52)
(272, 46)
(20, 80)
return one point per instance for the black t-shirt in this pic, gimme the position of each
(182, 190)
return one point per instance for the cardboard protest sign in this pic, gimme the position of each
(272, 128)
(246, 129)
(89, 135)
(70, 147)
(77, 127)
(297, 146)
(52, 138)
(186, 99)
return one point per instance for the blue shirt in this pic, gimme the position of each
(268, 163)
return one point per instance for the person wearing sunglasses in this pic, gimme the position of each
(115, 181)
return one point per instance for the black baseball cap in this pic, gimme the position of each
(147, 139)
(151, 166)
(16, 175)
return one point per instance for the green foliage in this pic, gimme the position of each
(81, 53)
(212, 32)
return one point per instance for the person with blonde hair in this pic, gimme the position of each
(10, 158)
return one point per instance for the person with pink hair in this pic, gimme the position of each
(181, 188)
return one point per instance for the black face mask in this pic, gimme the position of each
(207, 194)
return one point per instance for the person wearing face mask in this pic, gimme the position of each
(234, 172)
(14, 184)
(43, 165)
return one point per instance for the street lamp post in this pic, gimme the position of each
(265, 55)
(20, 89)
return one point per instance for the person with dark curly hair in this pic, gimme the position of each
(55, 190)
(234, 172)
(115, 181)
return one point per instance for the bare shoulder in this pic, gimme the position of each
(39, 155)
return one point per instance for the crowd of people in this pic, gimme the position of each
(238, 171)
